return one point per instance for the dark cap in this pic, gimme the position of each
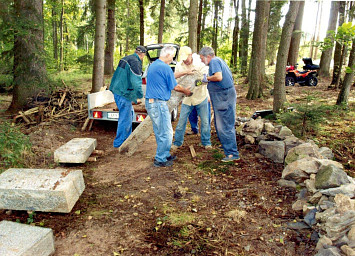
(141, 49)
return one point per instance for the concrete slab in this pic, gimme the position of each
(24, 240)
(45, 190)
(76, 151)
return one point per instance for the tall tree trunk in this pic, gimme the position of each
(98, 69)
(296, 37)
(348, 79)
(279, 81)
(127, 27)
(203, 22)
(141, 22)
(338, 48)
(243, 38)
(61, 51)
(326, 56)
(315, 31)
(263, 44)
(258, 46)
(111, 35)
(161, 22)
(199, 24)
(318, 31)
(215, 26)
(29, 67)
(234, 57)
(55, 34)
(193, 12)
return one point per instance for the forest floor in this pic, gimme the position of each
(198, 206)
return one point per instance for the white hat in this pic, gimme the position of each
(184, 53)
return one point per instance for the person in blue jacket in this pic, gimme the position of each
(126, 86)
(224, 99)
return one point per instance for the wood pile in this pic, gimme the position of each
(62, 105)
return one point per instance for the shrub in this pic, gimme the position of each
(15, 147)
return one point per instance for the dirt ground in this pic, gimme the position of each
(198, 206)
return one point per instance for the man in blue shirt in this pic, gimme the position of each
(223, 98)
(160, 83)
(126, 86)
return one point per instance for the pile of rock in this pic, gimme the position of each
(326, 191)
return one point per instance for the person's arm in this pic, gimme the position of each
(216, 77)
(183, 73)
(182, 89)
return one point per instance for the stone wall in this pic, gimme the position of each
(326, 192)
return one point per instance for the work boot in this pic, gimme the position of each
(162, 164)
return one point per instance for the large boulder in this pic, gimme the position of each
(274, 150)
(339, 224)
(300, 170)
(253, 127)
(302, 151)
(330, 176)
(291, 142)
(269, 128)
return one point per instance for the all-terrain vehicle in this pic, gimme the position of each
(306, 77)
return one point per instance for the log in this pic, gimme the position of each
(145, 129)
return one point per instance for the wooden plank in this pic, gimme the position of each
(192, 151)
(145, 129)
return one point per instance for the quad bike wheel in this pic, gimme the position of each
(312, 81)
(289, 81)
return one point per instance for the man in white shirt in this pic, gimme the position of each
(199, 99)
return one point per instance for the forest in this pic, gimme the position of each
(54, 53)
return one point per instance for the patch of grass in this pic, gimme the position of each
(15, 147)
(178, 219)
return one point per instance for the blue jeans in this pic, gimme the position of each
(224, 104)
(202, 111)
(193, 118)
(125, 118)
(163, 131)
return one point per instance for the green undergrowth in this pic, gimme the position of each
(15, 147)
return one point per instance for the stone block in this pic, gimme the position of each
(274, 150)
(42, 190)
(76, 151)
(24, 240)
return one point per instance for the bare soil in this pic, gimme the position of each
(198, 206)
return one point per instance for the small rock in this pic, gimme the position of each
(324, 216)
(286, 183)
(348, 251)
(297, 225)
(298, 205)
(8, 212)
(315, 198)
(322, 242)
(285, 131)
(351, 234)
(326, 152)
(249, 139)
(348, 190)
(333, 251)
(315, 236)
(307, 209)
(269, 128)
(311, 185)
(344, 203)
(310, 218)
(302, 194)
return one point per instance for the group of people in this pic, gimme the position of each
(216, 87)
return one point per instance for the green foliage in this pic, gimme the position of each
(15, 147)
(307, 118)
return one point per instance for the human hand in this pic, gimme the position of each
(204, 79)
(187, 91)
(190, 72)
